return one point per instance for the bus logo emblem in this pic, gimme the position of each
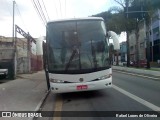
(81, 79)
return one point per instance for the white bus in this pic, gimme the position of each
(76, 55)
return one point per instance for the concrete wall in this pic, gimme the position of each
(39, 62)
(33, 62)
(6, 54)
(22, 65)
(22, 59)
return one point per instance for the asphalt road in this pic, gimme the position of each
(146, 88)
(129, 93)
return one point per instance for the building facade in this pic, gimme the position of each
(20, 56)
(155, 37)
(123, 51)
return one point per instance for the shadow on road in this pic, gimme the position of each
(83, 95)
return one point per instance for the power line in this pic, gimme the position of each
(35, 7)
(45, 9)
(41, 11)
(38, 12)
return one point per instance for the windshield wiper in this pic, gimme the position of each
(71, 58)
(94, 55)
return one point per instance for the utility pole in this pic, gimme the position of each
(137, 42)
(151, 38)
(148, 45)
(117, 56)
(29, 52)
(13, 22)
(128, 48)
(14, 46)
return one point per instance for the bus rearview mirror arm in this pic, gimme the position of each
(114, 36)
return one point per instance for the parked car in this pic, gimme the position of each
(3, 73)
(142, 63)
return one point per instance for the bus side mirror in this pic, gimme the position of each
(114, 36)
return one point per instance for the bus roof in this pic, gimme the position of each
(74, 19)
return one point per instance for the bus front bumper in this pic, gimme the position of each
(84, 86)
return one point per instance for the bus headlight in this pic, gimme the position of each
(105, 77)
(56, 80)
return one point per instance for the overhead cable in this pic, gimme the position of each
(38, 12)
(45, 9)
(41, 11)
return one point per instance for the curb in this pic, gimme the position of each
(137, 71)
(38, 108)
(140, 75)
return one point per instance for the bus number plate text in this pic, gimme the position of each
(82, 87)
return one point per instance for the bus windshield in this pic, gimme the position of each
(77, 46)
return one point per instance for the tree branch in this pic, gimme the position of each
(120, 3)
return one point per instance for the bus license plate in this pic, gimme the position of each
(82, 87)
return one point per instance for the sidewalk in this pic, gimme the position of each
(138, 71)
(26, 93)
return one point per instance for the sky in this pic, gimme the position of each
(27, 18)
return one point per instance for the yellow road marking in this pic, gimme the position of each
(58, 107)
